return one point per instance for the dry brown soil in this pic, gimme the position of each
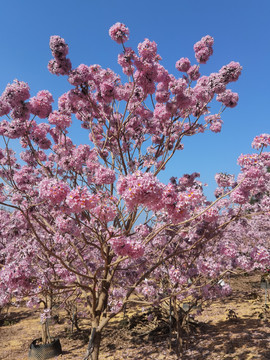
(244, 336)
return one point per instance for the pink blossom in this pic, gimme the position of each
(25, 178)
(15, 93)
(119, 33)
(248, 159)
(4, 106)
(261, 255)
(183, 64)
(193, 72)
(53, 190)
(228, 98)
(64, 104)
(210, 215)
(125, 246)
(224, 180)
(147, 49)
(178, 86)
(14, 129)
(148, 289)
(161, 112)
(230, 72)
(202, 91)
(216, 125)
(59, 67)
(140, 189)
(58, 47)
(81, 199)
(80, 75)
(61, 120)
(107, 91)
(105, 211)
(261, 141)
(39, 133)
(104, 176)
(204, 49)
(162, 96)
(170, 195)
(240, 196)
(126, 61)
(21, 112)
(66, 224)
(41, 104)
(216, 83)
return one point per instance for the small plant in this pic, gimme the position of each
(232, 315)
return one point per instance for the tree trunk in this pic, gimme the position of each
(179, 340)
(46, 338)
(93, 345)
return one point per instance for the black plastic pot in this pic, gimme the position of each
(44, 351)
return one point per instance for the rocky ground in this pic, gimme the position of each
(233, 328)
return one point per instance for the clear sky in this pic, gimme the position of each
(241, 30)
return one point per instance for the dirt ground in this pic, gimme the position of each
(233, 328)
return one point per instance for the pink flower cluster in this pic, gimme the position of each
(204, 49)
(66, 224)
(261, 141)
(25, 178)
(193, 72)
(40, 105)
(228, 98)
(127, 246)
(254, 178)
(81, 199)
(103, 175)
(105, 211)
(224, 180)
(39, 134)
(61, 120)
(183, 64)
(80, 75)
(177, 276)
(240, 196)
(119, 33)
(148, 289)
(190, 198)
(140, 189)
(16, 93)
(53, 190)
(13, 98)
(261, 255)
(215, 122)
(230, 72)
(60, 65)
(147, 50)
(210, 216)
(175, 203)
(4, 106)
(126, 60)
(246, 160)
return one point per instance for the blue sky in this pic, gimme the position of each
(240, 28)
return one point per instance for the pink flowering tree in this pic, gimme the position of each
(94, 218)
